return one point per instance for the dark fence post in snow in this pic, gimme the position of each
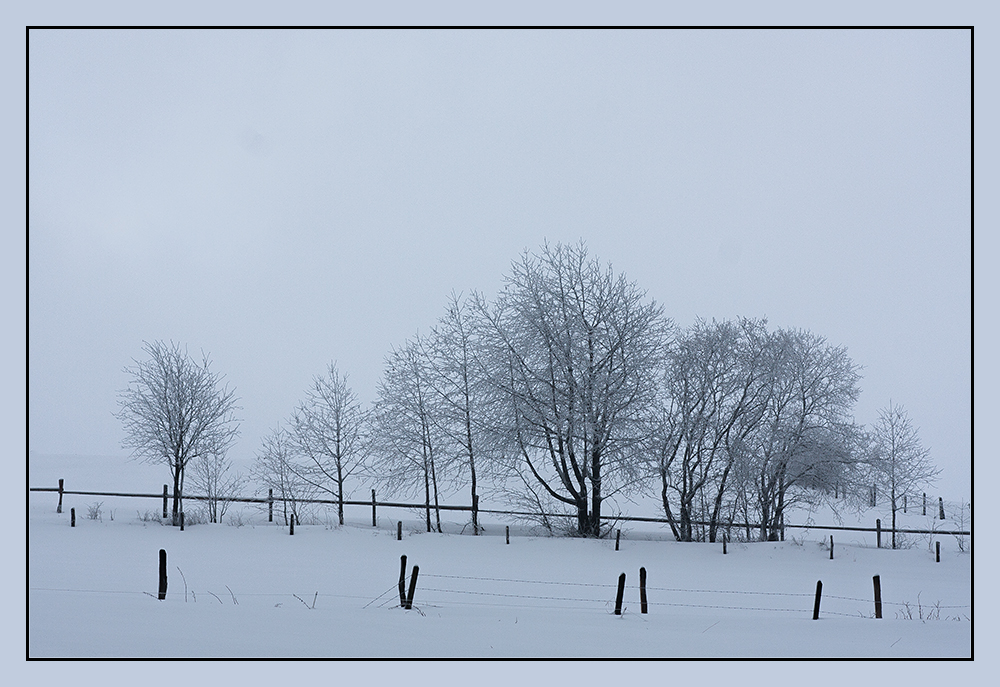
(925, 504)
(819, 593)
(402, 581)
(182, 521)
(413, 587)
(59, 507)
(373, 509)
(270, 505)
(941, 507)
(877, 584)
(163, 575)
(475, 514)
(831, 547)
(617, 539)
(642, 591)
(904, 503)
(72, 517)
(724, 543)
(878, 534)
(508, 534)
(621, 593)
(399, 530)
(291, 524)
(164, 501)
(937, 552)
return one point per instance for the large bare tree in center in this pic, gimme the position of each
(175, 410)
(576, 351)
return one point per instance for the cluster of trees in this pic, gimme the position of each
(572, 389)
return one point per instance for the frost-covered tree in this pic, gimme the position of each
(900, 464)
(176, 410)
(574, 351)
(327, 432)
(211, 475)
(406, 438)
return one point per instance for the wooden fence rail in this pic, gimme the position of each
(423, 506)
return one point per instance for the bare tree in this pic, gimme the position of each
(406, 439)
(211, 476)
(176, 410)
(901, 465)
(715, 393)
(806, 430)
(575, 351)
(274, 469)
(327, 432)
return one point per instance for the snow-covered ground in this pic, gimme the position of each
(91, 590)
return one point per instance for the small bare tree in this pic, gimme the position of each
(211, 476)
(273, 469)
(327, 432)
(176, 410)
(901, 465)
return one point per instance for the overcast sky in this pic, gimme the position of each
(285, 199)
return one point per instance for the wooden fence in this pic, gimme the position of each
(373, 504)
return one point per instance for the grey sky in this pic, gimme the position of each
(284, 199)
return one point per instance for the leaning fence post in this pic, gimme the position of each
(164, 501)
(877, 584)
(162, 594)
(402, 581)
(413, 587)
(642, 590)
(59, 507)
(270, 505)
(831, 547)
(373, 509)
(72, 517)
(941, 507)
(878, 534)
(819, 593)
(621, 593)
(937, 552)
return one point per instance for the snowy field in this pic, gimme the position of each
(254, 591)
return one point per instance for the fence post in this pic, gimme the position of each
(59, 507)
(819, 593)
(508, 534)
(937, 552)
(291, 524)
(724, 543)
(399, 530)
(617, 539)
(374, 522)
(642, 589)
(182, 521)
(72, 517)
(831, 547)
(621, 593)
(402, 581)
(941, 507)
(925, 504)
(904, 503)
(413, 587)
(164, 502)
(270, 505)
(162, 594)
(877, 583)
(878, 534)
(475, 514)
